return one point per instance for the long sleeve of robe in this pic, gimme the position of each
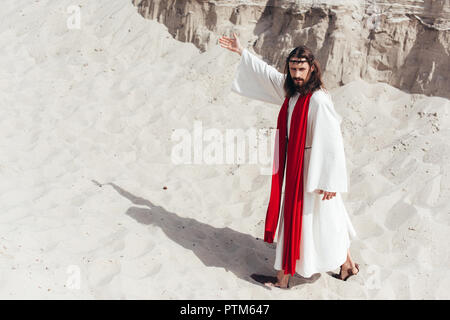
(326, 227)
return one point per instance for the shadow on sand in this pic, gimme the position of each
(239, 253)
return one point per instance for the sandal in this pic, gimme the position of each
(269, 279)
(273, 284)
(350, 273)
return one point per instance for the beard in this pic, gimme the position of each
(301, 87)
(299, 83)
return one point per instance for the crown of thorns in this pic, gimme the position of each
(301, 60)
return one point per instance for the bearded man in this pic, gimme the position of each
(309, 172)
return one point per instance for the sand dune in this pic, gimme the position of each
(86, 121)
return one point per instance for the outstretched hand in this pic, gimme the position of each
(327, 195)
(231, 44)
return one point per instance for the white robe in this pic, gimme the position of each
(326, 226)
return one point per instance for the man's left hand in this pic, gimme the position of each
(327, 195)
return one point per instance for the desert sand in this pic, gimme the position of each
(94, 208)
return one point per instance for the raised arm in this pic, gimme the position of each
(255, 78)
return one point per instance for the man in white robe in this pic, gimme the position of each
(326, 227)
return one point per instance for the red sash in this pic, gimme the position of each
(293, 201)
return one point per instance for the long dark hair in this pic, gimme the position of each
(315, 80)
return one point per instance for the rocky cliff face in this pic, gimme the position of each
(403, 43)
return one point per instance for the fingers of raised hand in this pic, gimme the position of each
(225, 38)
(222, 40)
(225, 43)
